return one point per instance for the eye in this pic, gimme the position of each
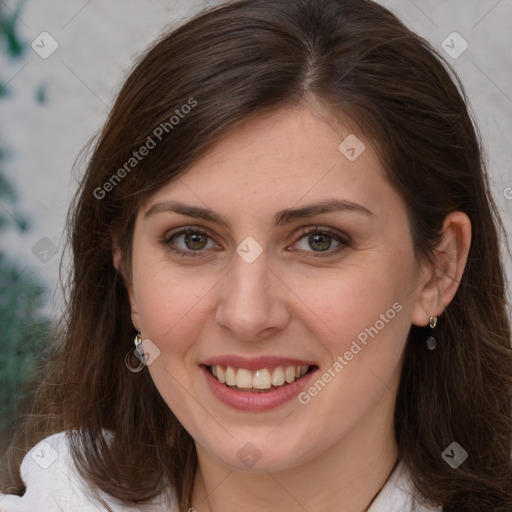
(321, 240)
(192, 242)
(188, 241)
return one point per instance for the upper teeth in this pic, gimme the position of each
(260, 379)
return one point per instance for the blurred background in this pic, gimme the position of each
(61, 64)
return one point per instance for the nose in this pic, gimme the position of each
(252, 302)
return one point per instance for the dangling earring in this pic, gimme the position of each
(127, 360)
(431, 341)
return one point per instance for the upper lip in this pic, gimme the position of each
(255, 363)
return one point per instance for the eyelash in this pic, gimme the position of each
(344, 242)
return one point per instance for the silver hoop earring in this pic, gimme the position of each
(431, 343)
(132, 354)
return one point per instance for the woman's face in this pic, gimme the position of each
(278, 249)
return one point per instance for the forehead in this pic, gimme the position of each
(301, 134)
(286, 158)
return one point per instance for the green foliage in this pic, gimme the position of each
(3, 90)
(24, 331)
(9, 214)
(23, 328)
(41, 94)
(8, 23)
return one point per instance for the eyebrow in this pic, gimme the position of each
(280, 218)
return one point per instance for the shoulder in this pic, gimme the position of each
(398, 493)
(54, 485)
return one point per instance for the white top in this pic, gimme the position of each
(53, 485)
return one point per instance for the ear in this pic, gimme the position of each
(127, 280)
(440, 280)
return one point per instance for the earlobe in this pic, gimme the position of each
(442, 277)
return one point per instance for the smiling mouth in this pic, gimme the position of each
(258, 381)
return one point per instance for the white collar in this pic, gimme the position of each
(56, 485)
(397, 494)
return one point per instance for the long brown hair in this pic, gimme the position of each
(233, 62)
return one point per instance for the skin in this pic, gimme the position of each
(337, 451)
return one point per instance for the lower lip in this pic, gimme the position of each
(254, 401)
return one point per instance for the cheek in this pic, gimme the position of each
(172, 308)
(171, 304)
(365, 319)
(359, 302)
